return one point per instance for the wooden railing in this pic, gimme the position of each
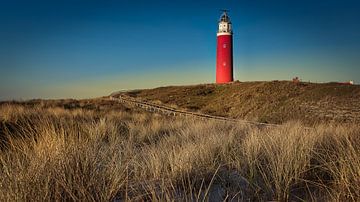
(152, 107)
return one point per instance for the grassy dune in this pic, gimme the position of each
(51, 153)
(271, 102)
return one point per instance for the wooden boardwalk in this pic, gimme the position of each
(165, 110)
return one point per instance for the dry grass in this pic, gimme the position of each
(58, 154)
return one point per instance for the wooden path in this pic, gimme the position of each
(165, 110)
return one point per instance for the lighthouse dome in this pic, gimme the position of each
(224, 17)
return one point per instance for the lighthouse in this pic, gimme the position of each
(224, 50)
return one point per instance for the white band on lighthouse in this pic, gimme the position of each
(223, 33)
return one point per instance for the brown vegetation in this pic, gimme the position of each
(51, 153)
(270, 102)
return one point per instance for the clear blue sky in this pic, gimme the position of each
(74, 48)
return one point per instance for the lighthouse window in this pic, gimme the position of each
(224, 45)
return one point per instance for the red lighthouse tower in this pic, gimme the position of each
(224, 51)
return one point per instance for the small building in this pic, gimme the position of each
(347, 83)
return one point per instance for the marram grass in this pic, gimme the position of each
(53, 154)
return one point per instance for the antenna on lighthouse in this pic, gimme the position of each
(225, 10)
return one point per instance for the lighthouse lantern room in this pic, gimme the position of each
(224, 51)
